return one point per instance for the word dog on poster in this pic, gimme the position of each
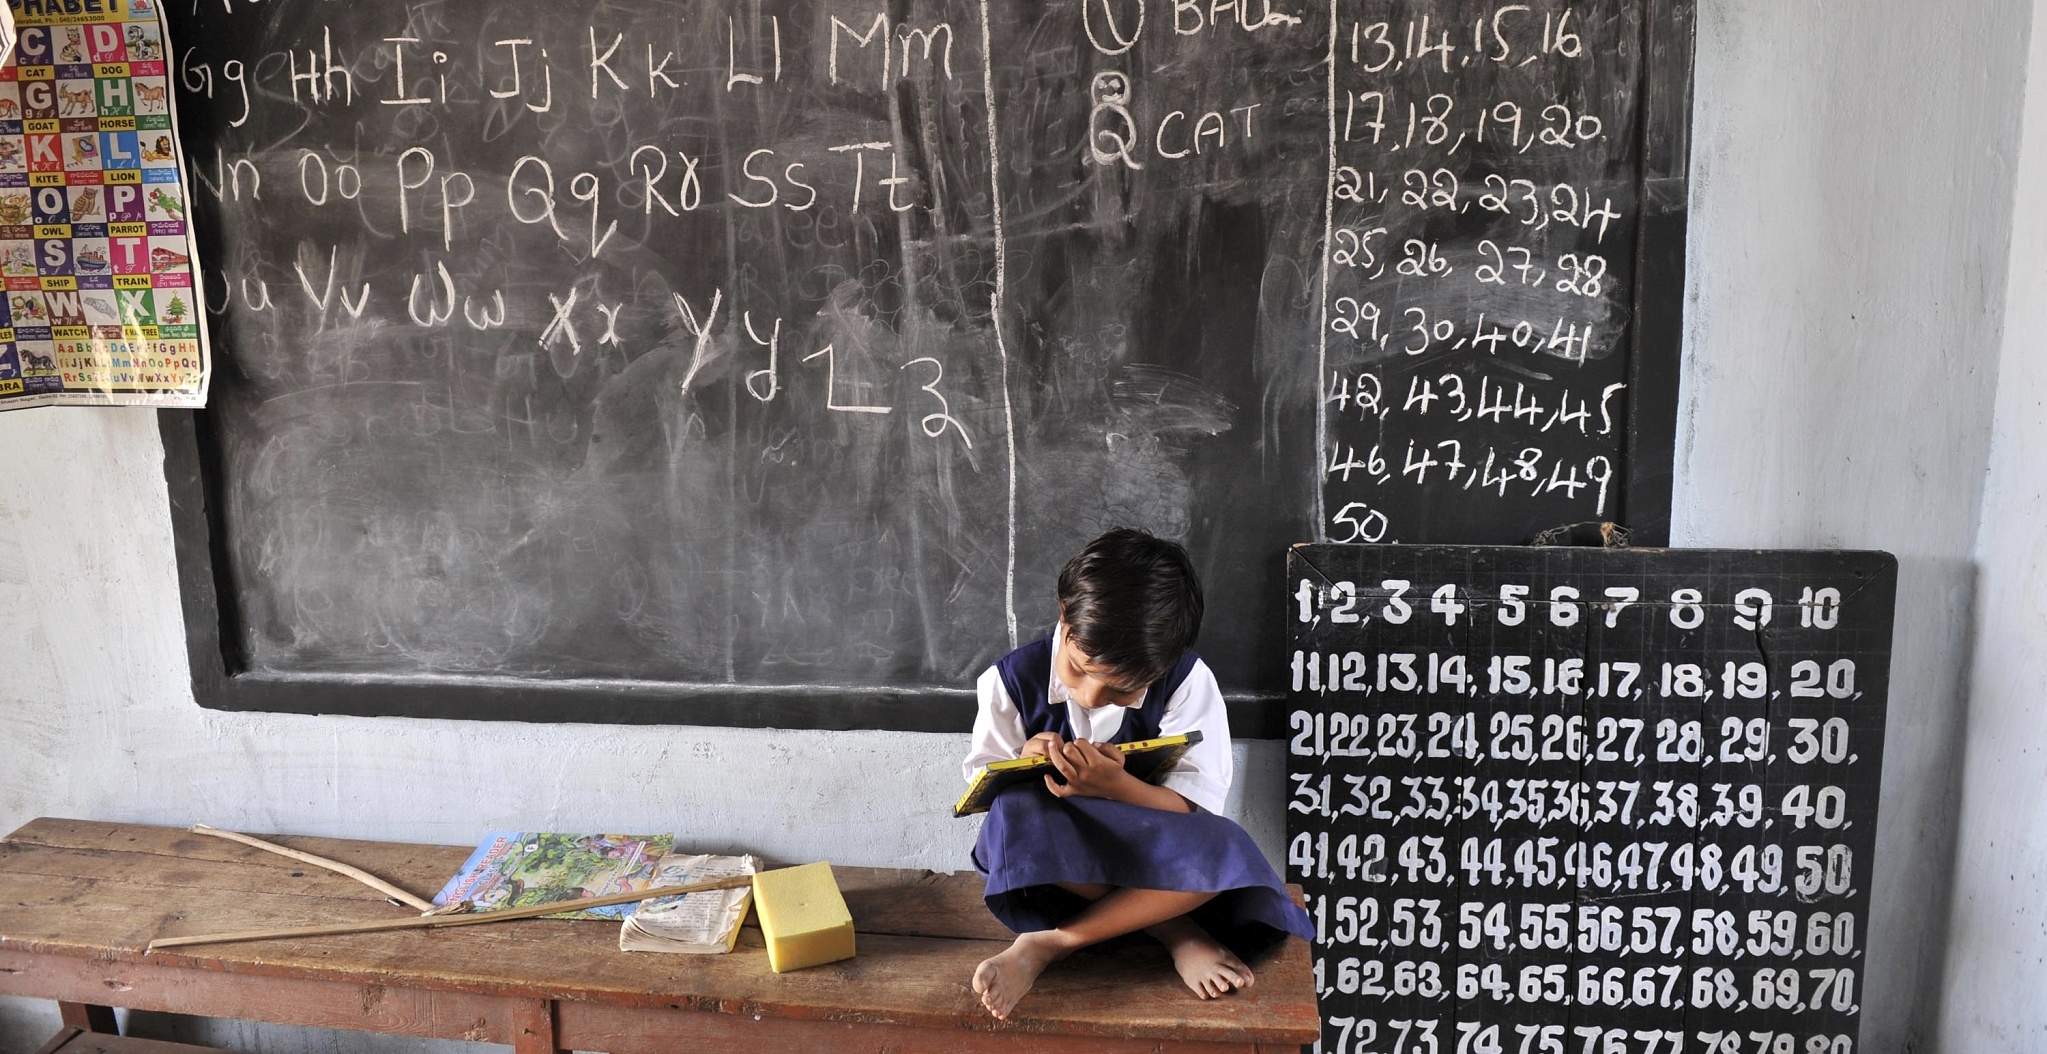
(1572, 801)
(101, 305)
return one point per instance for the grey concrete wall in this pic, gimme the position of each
(1853, 168)
(1853, 180)
(1997, 977)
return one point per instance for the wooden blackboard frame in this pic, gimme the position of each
(1657, 344)
(221, 679)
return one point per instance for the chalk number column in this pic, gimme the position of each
(1477, 271)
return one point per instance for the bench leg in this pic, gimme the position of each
(533, 1028)
(88, 1017)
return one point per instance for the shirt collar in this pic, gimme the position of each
(1055, 689)
(1097, 724)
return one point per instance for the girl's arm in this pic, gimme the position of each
(998, 726)
(1203, 775)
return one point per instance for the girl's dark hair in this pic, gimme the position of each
(1131, 601)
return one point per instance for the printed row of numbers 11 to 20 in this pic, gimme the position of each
(1432, 673)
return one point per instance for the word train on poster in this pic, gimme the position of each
(101, 305)
(1573, 801)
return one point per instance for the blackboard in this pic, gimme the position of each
(1552, 798)
(759, 364)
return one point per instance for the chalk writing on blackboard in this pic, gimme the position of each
(1481, 220)
(789, 345)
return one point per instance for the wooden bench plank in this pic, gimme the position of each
(102, 891)
(88, 1017)
(533, 1027)
(421, 869)
(197, 881)
(918, 903)
(883, 900)
(49, 906)
(290, 1001)
(74, 1041)
(57, 1041)
(620, 1030)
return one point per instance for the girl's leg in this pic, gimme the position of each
(1005, 978)
(1209, 969)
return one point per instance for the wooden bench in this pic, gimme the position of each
(79, 900)
(84, 1041)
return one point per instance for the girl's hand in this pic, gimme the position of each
(1094, 770)
(1040, 744)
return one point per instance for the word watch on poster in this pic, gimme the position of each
(101, 307)
(1575, 801)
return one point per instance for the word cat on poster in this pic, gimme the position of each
(102, 306)
(1550, 800)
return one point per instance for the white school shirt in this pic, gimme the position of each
(1201, 776)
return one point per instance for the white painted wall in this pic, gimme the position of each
(1852, 202)
(1997, 973)
(1852, 189)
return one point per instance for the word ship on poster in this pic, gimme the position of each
(102, 305)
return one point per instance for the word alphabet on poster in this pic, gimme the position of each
(101, 305)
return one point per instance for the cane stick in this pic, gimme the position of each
(475, 918)
(335, 866)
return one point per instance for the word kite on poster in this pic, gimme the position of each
(102, 306)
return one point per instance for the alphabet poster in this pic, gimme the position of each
(102, 306)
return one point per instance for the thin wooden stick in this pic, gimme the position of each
(335, 866)
(476, 918)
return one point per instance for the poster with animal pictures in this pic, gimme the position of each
(103, 304)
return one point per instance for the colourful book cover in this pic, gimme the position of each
(516, 869)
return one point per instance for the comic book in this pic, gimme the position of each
(515, 869)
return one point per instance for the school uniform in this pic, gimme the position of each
(1032, 839)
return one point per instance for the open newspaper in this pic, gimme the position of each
(694, 922)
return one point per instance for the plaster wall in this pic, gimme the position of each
(1852, 189)
(1997, 969)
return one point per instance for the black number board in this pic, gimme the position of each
(1553, 800)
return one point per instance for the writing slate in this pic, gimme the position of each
(759, 364)
(1569, 797)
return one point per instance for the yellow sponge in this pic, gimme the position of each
(802, 916)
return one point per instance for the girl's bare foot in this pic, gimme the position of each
(1208, 968)
(1008, 977)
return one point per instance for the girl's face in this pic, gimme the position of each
(1092, 686)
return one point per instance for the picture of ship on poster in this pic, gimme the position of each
(103, 305)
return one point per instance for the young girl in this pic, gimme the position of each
(1103, 853)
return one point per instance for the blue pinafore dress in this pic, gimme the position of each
(1032, 839)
